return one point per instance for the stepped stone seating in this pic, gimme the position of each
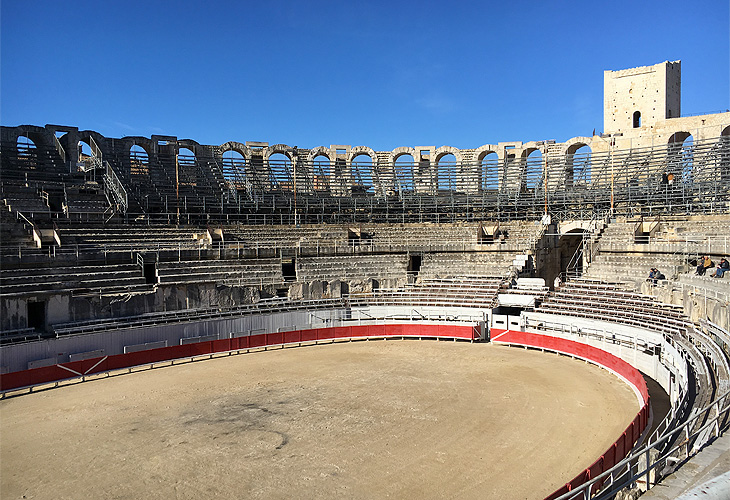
(110, 279)
(596, 299)
(398, 234)
(24, 199)
(634, 268)
(627, 255)
(229, 272)
(16, 232)
(86, 201)
(352, 267)
(707, 286)
(441, 265)
(287, 236)
(694, 229)
(463, 291)
(126, 238)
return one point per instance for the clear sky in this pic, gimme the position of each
(376, 73)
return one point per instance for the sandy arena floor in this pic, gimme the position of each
(395, 419)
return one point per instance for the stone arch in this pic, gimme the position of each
(362, 150)
(401, 151)
(36, 134)
(532, 167)
(139, 149)
(678, 137)
(190, 145)
(279, 149)
(321, 170)
(25, 145)
(187, 163)
(84, 153)
(240, 148)
(320, 151)
(404, 170)
(185, 154)
(724, 158)
(279, 167)
(488, 161)
(578, 163)
(234, 168)
(482, 151)
(445, 150)
(447, 174)
(139, 164)
(362, 174)
(679, 158)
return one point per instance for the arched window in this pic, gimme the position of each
(26, 148)
(580, 160)
(361, 170)
(186, 167)
(680, 157)
(185, 156)
(321, 172)
(86, 156)
(724, 155)
(234, 169)
(490, 172)
(446, 173)
(280, 172)
(533, 169)
(138, 161)
(404, 173)
(688, 154)
(637, 119)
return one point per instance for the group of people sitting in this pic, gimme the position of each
(706, 263)
(655, 275)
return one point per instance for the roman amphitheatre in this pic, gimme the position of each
(268, 321)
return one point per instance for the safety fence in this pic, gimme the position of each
(685, 430)
(625, 443)
(77, 371)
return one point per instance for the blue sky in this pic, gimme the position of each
(380, 74)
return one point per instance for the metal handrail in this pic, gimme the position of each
(115, 187)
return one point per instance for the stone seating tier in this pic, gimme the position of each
(595, 300)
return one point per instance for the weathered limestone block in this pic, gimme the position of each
(337, 289)
(318, 290)
(361, 285)
(298, 291)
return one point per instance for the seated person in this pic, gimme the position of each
(655, 275)
(722, 267)
(704, 264)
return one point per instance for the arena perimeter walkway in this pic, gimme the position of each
(398, 419)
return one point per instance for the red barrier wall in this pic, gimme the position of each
(64, 371)
(612, 456)
(623, 445)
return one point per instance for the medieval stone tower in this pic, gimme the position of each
(639, 97)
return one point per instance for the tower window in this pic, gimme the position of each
(637, 119)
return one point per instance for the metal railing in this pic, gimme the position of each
(59, 149)
(115, 188)
(675, 439)
(644, 465)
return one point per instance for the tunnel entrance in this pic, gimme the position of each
(37, 315)
(289, 269)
